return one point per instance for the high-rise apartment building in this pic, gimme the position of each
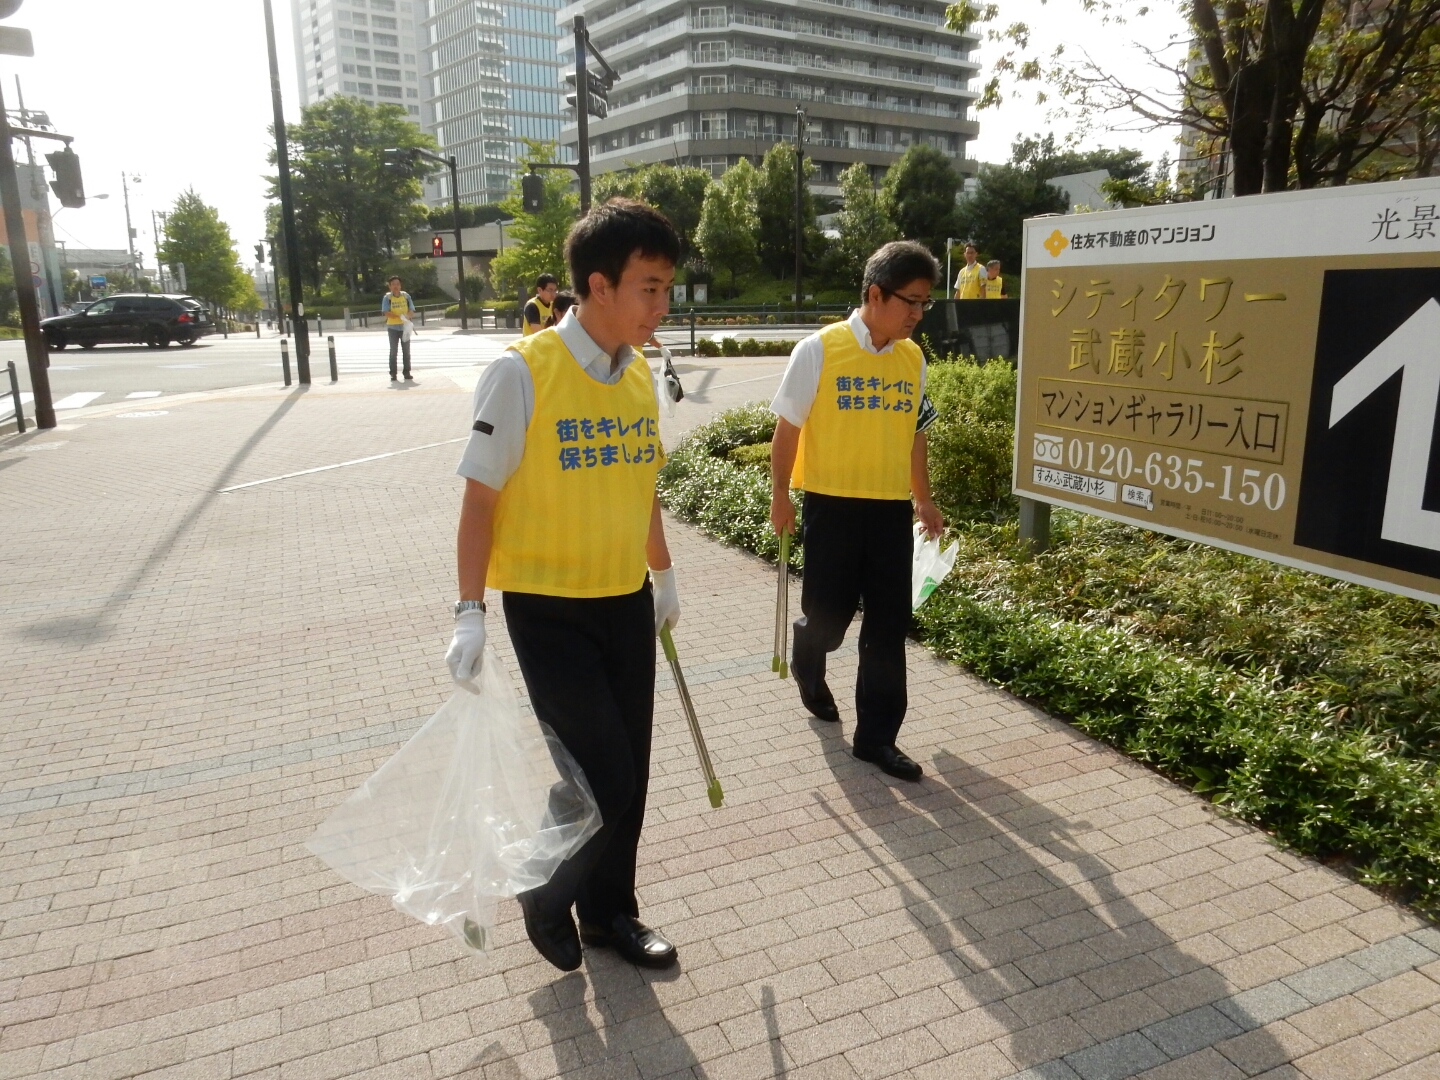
(359, 48)
(492, 80)
(707, 83)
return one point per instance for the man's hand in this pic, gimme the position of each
(782, 513)
(929, 515)
(467, 647)
(667, 598)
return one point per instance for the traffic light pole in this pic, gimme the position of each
(287, 212)
(459, 247)
(582, 112)
(799, 200)
(35, 352)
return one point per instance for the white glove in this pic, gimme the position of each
(467, 647)
(667, 600)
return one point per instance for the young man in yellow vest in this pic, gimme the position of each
(970, 282)
(560, 515)
(539, 314)
(850, 434)
(397, 308)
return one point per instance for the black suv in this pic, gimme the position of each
(153, 319)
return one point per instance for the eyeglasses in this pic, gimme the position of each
(918, 305)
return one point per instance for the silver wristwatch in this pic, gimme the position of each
(462, 606)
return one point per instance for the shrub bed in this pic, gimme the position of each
(1306, 706)
(743, 347)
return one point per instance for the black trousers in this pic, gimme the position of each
(589, 665)
(397, 340)
(857, 550)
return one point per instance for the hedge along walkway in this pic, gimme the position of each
(193, 680)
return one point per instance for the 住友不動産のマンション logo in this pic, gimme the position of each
(1160, 236)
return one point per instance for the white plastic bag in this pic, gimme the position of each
(929, 566)
(407, 329)
(481, 803)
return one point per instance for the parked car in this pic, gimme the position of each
(156, 320)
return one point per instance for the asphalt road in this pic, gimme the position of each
(110, 374)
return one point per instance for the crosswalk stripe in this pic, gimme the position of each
(142, 394)
(79, 400)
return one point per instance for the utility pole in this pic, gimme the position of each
(130, 229)
(287, 211)
(582, 112)
(36, 354)
(799, 201)
(155, 231)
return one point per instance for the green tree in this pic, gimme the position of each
(442, 217)
(1004, 197)
(775, 208)
(535, 244)
(728, 222)
(919, 195)
(9, 302)
(678, 192)
(863, 225)
(344, 187)
(195, 236)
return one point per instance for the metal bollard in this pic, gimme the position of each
(334, 371)
(285, 358)
(348, 324)
(257, 327)
(15, 394)
(422, 316)
(692, 331)
(319, 326)
(225, 326)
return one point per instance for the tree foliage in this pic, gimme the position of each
(728, 222)
(535, 243)
(1298, 93)
(352, 208)
(863, 225)
(195, 236)
(678, 192)
(919, 195)
(775, 209)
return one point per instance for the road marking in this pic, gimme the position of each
(343, 464)
(742, 382)
(80, 400)
(142, 393)
(141, 415)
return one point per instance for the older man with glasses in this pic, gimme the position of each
(850, 434)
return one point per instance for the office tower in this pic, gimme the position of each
(358, 48)
(493, 79)
(704, 84)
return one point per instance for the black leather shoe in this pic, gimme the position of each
(822, 708)
(555, 939)
(891, 760)
(409, 377)
(633, 940)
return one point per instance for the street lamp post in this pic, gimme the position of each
(397, 156)
(799, 200)
(287, 211)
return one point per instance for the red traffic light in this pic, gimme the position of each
(437, 247)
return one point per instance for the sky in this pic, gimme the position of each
(177, 92)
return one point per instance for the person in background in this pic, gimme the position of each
(564, 301)
(397, 307)
(560, 515)
(970, 282)
(851, 414)
(994, 283)
(539, 313)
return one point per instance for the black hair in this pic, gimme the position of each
(545, 279)
(605, 238)
(896, 265)
(564, 301)
(393, 277)
(972, 244)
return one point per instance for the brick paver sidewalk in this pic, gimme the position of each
(193, 679)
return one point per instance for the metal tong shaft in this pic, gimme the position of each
(712, 783)
(780, 661)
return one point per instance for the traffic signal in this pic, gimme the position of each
(393, 156)
(532, 192)
(259, 253)
(599, 100)
(68, 185)
(437, 246)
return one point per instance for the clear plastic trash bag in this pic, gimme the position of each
(481, 803)
(929, 566)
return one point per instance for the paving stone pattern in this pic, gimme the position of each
(193, 680)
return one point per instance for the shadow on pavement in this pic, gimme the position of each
(1048, 956)
(96, 626)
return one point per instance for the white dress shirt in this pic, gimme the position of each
(505, 400)
(801, 381)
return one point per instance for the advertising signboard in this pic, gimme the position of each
(1259, 373)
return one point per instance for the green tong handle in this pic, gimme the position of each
(712, 783)
(778, 662)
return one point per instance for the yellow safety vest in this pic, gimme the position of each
(574, 518)
(994, 288)
(856, 441)
(400, 306)
(544, 309)
(970, 287)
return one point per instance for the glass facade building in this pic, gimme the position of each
(492, 79)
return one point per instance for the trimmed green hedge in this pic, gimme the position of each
(1306, 706)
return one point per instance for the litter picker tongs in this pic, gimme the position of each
(778, 662)
(712, 783)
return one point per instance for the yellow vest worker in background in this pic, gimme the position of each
(538, 313)
(560, 515)
(397, 308)
(970, 282)
(850, 434)
(994, 283)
